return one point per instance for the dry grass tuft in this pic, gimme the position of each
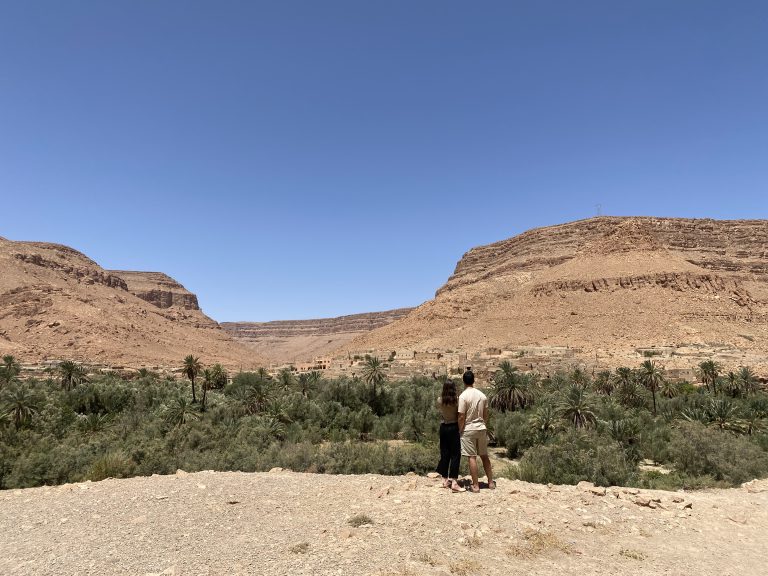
(465, 567)
(300, 548)
(634, 554)
(426, 558)
(360, 520)
(535, 543)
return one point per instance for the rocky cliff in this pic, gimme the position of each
(158, 289)
(732, 246)
(56, 303)
(606, 287)
(297, 340)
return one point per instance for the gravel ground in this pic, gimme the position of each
(288, 523)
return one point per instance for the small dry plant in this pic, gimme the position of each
(464, 567)
(403, 571)
(536, 542)
(300, 548)
(472, 541)
(634, 554)
(425, 558)
(360, 520)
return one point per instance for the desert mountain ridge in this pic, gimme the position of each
(304, 340)
(604, 291)
(603, 288)
(56, 303)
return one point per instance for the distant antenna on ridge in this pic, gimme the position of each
(599, 208)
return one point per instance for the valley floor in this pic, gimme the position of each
(288, 523)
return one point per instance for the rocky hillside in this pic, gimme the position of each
(302, 340)
(607, 287)
(158, 289)
(56, 303)
(289, 523)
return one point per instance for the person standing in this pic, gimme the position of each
(473, 415)
(450, 442)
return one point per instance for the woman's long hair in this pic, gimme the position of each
(448, 397)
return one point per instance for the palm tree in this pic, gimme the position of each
(669, 389)
(20, 405)
(753, 421)
(732, 384)
(509, 389)
(747, 380)
(709, 370)
(604, 384)
(191, 369)
(9, 370)
(307, 382)
(269, 427)
(263, 373)
(373, 373)
(651, 376)
(576, 407)
(285, 379)
(579, 377)
(71, 374)
(723, 413)
(180, 412)
(94, 423)
(314, 379)
(545, 421)
(208, 380)
(623, 375)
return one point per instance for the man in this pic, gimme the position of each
(473, 414)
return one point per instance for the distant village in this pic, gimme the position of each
(405, 363)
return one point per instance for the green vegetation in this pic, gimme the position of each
(565, 428)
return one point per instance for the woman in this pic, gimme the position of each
(450, 443)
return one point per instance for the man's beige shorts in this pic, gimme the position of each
(474, 443)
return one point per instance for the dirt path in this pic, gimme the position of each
(287, 523)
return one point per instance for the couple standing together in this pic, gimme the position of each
(463, 432)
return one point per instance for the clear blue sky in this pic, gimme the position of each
(295, 159)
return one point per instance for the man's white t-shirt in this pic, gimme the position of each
(472, 404)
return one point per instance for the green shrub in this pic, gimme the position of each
(576, 456)
(696, 450)
(112, 465)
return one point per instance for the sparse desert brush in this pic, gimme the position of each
(633, 554)
(360, 520)
(300, 548)
(426, 558)
(465, 567)
(537, 542)
(112, 465)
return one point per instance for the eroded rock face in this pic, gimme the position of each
(56, 303)
(87, 274)
(604, 288)
(318, 327)
(303, 340)
(158, 289)
(733, 246)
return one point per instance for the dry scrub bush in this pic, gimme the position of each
(360, 520)
(535, 543)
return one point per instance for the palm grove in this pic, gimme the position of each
(74, 424)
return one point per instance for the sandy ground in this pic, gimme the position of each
(288, 523)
